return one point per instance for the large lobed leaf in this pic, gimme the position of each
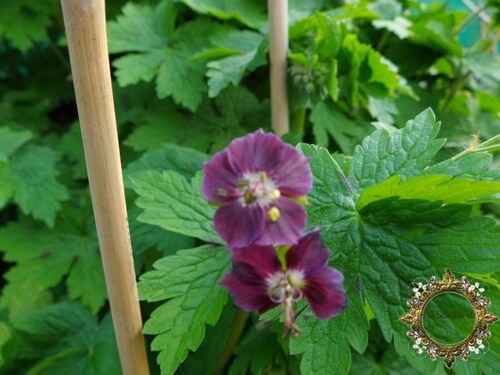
(384, 236)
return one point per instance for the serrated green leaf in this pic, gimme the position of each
(37, 192)
(133, 68)
(324, 349)
(60, 339)
(183, 82)
(249, 50)
(430, 187)
(10, 141)
(381, 252)
(43, 258)
(183, 160)
(188, 281)
(248, 12)
(406, 152)
(140, 28)
(25, 22)
(173, 203)
(158, 51)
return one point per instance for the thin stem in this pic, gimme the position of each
(239, 323)
(487, 146)
(299, 120)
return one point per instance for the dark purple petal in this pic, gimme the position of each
(325, 293)
(288, 228)
(255, 152)
(218, 175)
(246, 282)
(309, 255)
(293, 177)
(246, 296)
(239, 225)
(262, 261)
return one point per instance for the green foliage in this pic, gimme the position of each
(188, 281)
(384, 248)
(29, 24)
(44, 258)
(173, 203)
(60, 339)
(28, 174)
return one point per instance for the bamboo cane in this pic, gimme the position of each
(85, 23)
(278, 35)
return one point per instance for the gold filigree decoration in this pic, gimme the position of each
(424, 293)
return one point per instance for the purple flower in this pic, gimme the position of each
(259, 281)
(257, 181)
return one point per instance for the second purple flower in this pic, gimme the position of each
(257, 181)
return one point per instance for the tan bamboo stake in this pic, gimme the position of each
(85, 22)
(278, 35)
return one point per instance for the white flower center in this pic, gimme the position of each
(283, 285)
(255, 187)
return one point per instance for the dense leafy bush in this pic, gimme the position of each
(394, 199)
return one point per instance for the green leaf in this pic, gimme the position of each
(174, 204)
(25, 22)
(43, 258)
(204, 359)
(248, 12)
(140, 28)
(188, 281)
(324, 350)
(328, 120)
(476, 166)
(406, 152)
(157, 51)
(247, 54)
(234, 113)
(183, 160)
(382, 249)
(431, 187)
(255, 352)
(183, 82)
(10, 141)
(61, 339)
(33, 174)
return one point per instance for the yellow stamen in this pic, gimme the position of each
(263, 177)
(301, 200)
(273, 214)
(275, 195)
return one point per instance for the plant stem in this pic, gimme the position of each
(239, 323)
(299, 119)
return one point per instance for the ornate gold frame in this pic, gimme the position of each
(424, 294)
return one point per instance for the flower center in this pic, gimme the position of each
(286, 285)
(255, 187)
